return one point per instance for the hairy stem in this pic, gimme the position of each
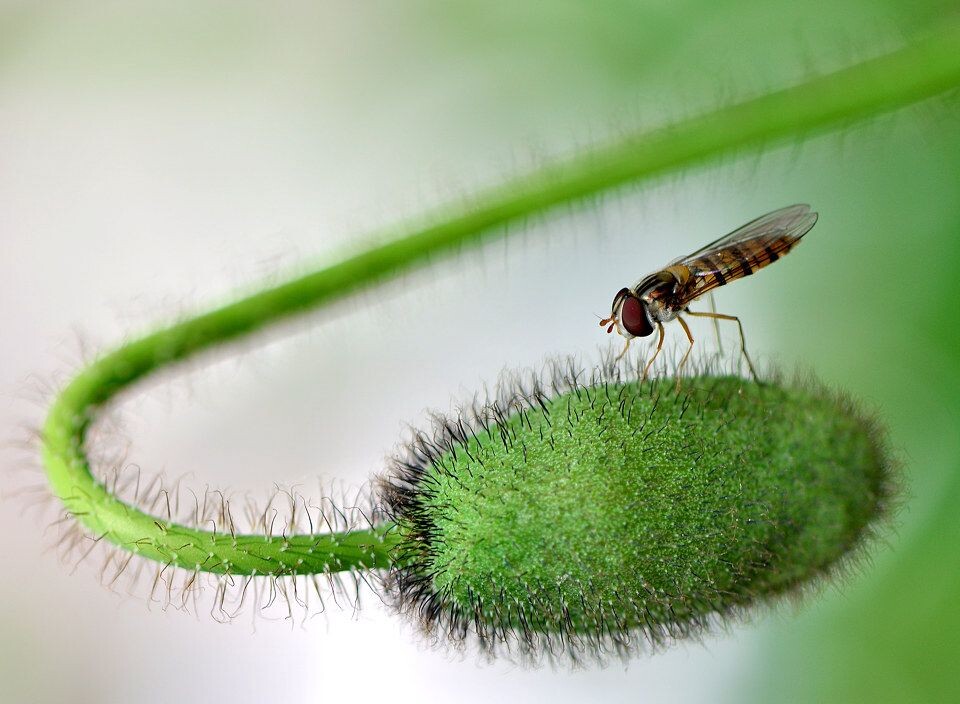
(926, 68)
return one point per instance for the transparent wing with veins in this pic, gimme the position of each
(742, 252)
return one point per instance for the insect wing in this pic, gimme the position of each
(792, 222)
(745, 250)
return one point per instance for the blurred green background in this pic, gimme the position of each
(155, 157)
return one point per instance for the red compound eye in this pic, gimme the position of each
(621, 294)
(633, 317)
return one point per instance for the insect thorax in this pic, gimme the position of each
(657, 291)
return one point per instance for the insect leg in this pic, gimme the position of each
(625, 348)
(743, 339)
(646, 369)
(716, 323)
(686, 329)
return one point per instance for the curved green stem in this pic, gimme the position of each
(921, 70)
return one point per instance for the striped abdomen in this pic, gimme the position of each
(732, 261)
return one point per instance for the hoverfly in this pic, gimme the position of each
(665, 294)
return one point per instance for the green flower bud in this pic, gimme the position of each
(590, 517)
